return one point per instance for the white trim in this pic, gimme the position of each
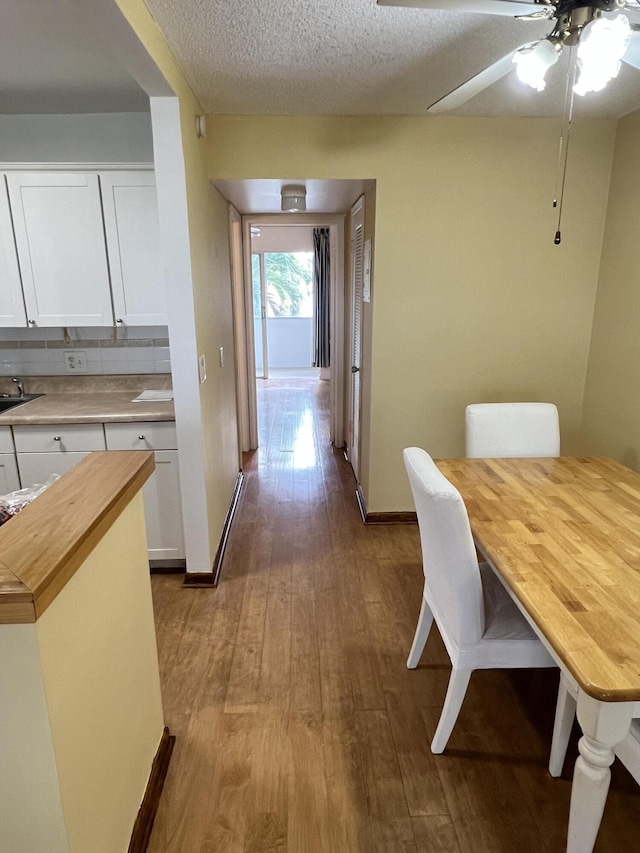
(174, 231)
(236, 252)
(250, 337)
(335, 221)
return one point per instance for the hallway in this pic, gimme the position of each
(299, 728)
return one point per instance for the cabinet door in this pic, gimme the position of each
(163, 509)
(12, 303)
(61, 248)
(133, 243)
(9, 481)
(38, 467)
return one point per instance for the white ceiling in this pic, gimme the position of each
(352, 57)
(283, 57)
(52, 62)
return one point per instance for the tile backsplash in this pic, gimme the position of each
(41, 352)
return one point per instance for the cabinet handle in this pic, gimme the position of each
(57, 438)
(141, 437)
(32, 322)
(119, 320)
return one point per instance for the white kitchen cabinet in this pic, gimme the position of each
(162, 504)
(132, 229)
(61, 248)
(9, 480)
(12, 311)
(43, 450)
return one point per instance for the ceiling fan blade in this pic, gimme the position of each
(510, 8)
(632, 54)
(474, 85)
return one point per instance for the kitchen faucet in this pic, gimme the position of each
(18, 382)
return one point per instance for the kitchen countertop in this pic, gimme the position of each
(87, 408)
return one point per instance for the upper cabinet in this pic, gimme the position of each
(130, 210)
(80, 249)
(12, 304)
(61, 249)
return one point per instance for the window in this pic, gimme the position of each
(289, 277)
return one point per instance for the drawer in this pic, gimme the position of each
(159, 435)
(6, 442)
(58, 437)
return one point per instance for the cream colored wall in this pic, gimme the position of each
(611, 417)
(211, 283)
(472, 299)
(97, 645)
(218, 397)
(31, 817)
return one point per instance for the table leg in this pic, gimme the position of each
(604, 724)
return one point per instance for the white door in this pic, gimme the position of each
(240, 333)
(61, 248)
(131, 224)
(12, 311)
(356, 277)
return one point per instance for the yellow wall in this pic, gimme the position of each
(97, 645)
(208, 231)
(611, 419)
(472, 300)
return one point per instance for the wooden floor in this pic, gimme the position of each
(299, 729)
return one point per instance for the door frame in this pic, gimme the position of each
(355, 359)
(335, 223)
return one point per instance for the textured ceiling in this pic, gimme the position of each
(352, 57)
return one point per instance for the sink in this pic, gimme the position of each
(7, 403)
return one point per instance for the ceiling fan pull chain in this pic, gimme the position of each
(563, 153)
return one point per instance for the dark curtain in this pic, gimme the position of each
(321, 340)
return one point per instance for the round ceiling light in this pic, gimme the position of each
(293, 199)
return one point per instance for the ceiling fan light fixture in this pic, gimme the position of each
(293, 199)
(603, 43)
(533, 61)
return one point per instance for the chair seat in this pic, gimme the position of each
(508, 640)
(503, 620)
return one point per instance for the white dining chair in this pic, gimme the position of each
(480, 625)
(511, 429)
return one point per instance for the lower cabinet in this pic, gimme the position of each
(162, 505)
(44, 450)
(9, 480)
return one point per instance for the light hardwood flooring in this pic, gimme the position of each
(299, 728)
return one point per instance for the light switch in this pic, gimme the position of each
(202, 368)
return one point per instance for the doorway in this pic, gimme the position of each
(335, 224)
(282, 278)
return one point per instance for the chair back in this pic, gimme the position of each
(512, 429)
(449, 561)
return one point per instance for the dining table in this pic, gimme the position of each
(563, 536)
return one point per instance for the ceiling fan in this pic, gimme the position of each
(602, 42)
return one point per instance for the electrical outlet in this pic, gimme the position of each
(202, 368)
(75, 361)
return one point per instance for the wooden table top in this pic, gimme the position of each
(565, 535)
